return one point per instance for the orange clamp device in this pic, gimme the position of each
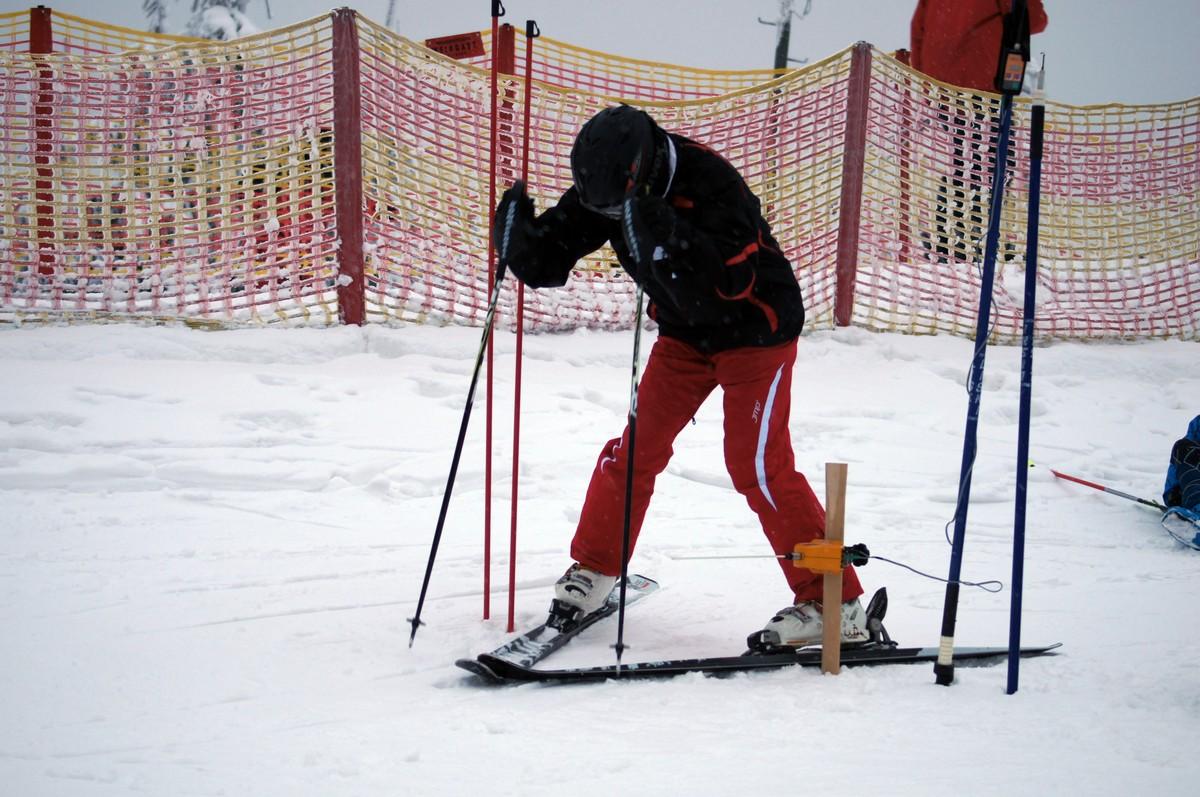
(822, 556)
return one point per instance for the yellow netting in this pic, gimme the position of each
(80, 36)
(196, 181)
(615, 76)
(188, 182)
(425, 161)
(425, 172)
(1119, 236)
(85, 36)
(14, 31)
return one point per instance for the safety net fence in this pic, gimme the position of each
(186, 182)
(334, 170)
(1119, 238)
(427, 222)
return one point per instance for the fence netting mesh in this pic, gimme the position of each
(193, 181)
(165, 178)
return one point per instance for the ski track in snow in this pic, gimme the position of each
(211, 544)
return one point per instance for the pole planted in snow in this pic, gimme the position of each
(1010, 75)
(944, 668)
(415, 620)
(627, 519)
(1027, 324)
(642, 260)
(531, 33)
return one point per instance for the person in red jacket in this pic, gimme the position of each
(687, 229)
(958, 42)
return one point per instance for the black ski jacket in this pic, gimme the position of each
(718, 282)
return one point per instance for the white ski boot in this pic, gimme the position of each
(577, 594)
(801, 625)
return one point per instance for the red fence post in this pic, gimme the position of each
(347, 167)
(506, 132)
(41, 40)
(503, 60)
(853, 157)
(906, 161)
(531, 32)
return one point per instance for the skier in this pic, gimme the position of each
(1182, 488)
(958, 42)
(729, 313)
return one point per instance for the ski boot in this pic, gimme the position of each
(802, 626)
(577, 594)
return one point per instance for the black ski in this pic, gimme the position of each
(533, 646)
(506, 671)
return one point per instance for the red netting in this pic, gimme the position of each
(196, 182)
(191, 182)
(1119, 243)
(426, 236)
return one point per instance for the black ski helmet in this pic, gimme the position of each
(616, 152)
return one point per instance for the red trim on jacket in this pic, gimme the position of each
(768, 311)
(744, 255)
(743, 294)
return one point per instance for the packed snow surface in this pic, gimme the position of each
(210, 544)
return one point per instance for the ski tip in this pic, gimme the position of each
(483, 672)
(1032, 651)
(640, 582)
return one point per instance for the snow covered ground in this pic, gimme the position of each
(210, 543)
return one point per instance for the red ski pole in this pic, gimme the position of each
(1109, 490)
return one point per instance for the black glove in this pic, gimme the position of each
(647, 223)
(512, 226)
(658, 217)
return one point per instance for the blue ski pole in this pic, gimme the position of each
(1010, 76)
(944, 668)
(1031, 245)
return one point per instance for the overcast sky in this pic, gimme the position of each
(1097, 51)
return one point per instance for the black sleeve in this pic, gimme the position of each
(556, 240)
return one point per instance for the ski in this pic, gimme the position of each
(531, 647)
(506, 671)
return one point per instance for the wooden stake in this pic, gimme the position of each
(835, 522)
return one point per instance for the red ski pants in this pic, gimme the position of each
(756, 383)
